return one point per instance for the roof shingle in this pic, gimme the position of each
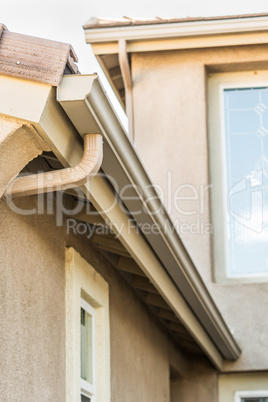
(35, 59)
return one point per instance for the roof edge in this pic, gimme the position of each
(95, 22)
(175, 28)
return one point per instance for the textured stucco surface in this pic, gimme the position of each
(200, 384)
(32, 332)
(32, 309)
(170, 114)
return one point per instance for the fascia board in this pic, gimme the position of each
(176, 30)
(180, 43)
(23, 99)
(35, 103)
(127, 170)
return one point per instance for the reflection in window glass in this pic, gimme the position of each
(246, 129)
(86, 346)
(85, 398)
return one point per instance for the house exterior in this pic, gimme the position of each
(195, 91)
(113, 259)
(91, 309)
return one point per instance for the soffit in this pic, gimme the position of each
(110, 65)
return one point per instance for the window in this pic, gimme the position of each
(87, 332)
(238, 142)
(254, 399)
(251, 396)
(87, 351)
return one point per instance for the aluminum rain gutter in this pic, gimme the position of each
(126, 75)
(87, 106)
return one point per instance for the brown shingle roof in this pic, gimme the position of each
(35, 59)
(95, 22)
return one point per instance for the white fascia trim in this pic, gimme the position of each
(177, 30)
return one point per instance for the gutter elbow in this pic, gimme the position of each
(64, 178)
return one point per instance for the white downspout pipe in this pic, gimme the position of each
(126, 75)
(64, 178)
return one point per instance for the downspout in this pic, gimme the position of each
(126, 74)
(64, 178)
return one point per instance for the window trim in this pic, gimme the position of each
(250, 394)
(83, 281)
(216, 83)
(87, 388)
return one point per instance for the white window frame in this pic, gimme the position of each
(218, 173)
(250, 394)
(88, 389)
(82, 281)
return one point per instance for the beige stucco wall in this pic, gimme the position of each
(32, 332)
(32, 336)
(170, 114)
(200, 384)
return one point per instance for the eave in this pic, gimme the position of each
(185, 34)
(189, 28)
(162, 256)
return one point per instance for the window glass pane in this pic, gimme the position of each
(86, 346)
(246, 134)
(85, 398)
(254, 399)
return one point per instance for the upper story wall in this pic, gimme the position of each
(171, 130)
